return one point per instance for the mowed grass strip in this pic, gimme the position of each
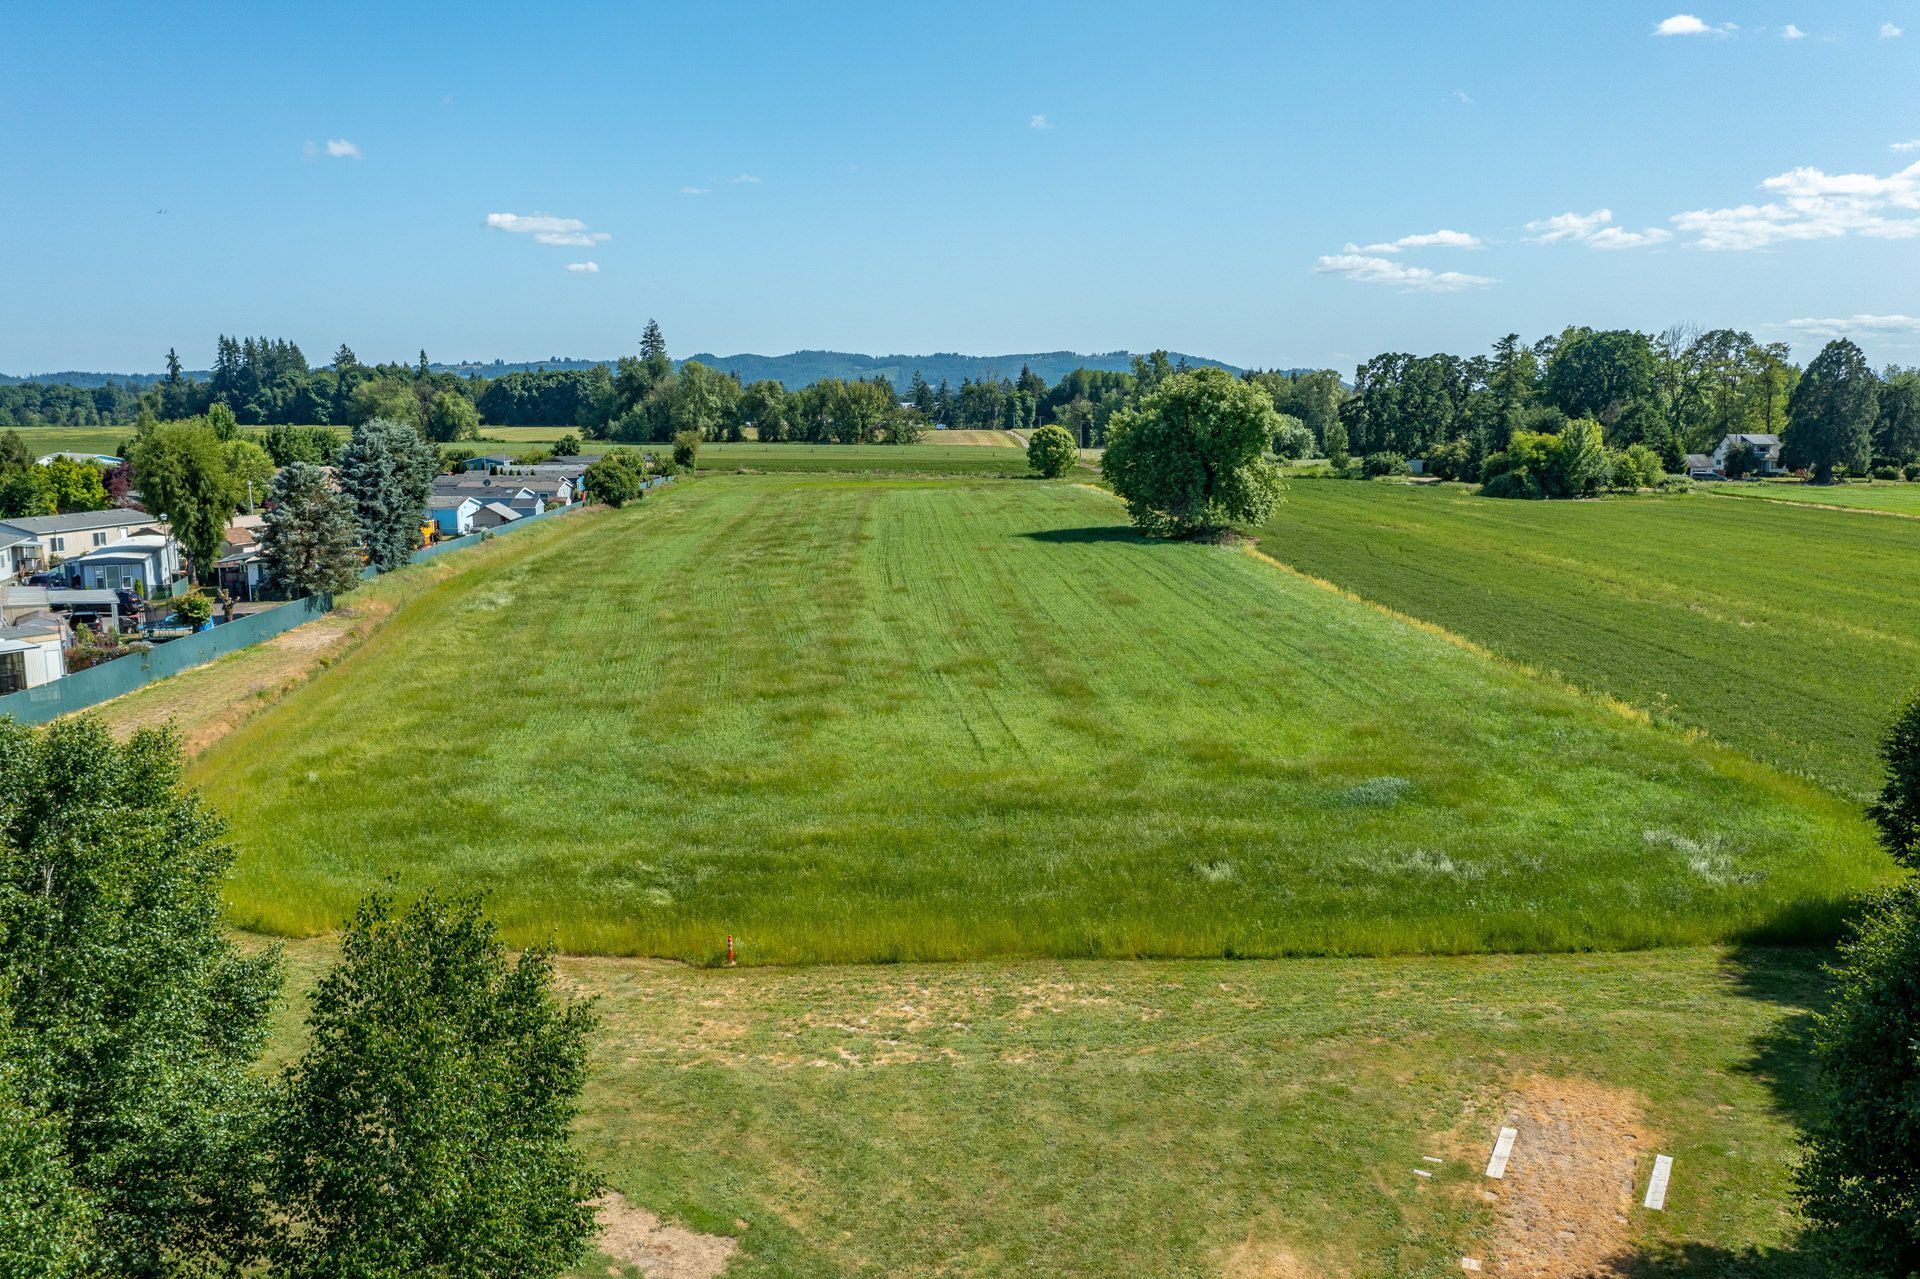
(932, 459)
(1895, 497)
(1181, 1119)
(1787, 631)
(888, 720)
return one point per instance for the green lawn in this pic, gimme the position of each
(1784, 630)
(1899, 497)
(886, 720)
(1192, 1118)
(910, 459)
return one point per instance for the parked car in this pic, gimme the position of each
(47, 579)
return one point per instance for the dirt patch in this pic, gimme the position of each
(1565, 1202)
(632, 1235)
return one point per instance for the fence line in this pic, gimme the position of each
(122, 675)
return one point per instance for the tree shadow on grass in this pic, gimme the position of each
(1781, 1058)
(1107, 533)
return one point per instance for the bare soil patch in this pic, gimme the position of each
(1565, 1203)
(636, 1237)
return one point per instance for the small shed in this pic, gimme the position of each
(32, 653)
(494, 514)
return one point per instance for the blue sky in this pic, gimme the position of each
(1226, 179)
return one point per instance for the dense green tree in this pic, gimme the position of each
(250, 468)
(763, 406)
(1596, 374)
(1859, 1183)
(426, 1130)
(451, 417)
(76, 486)
(1191, 457)
(45, 1220)
(921, 396)
(221, 422)
(1051, 452)
(311, 538)
(182, 474)
(1831, 414)
(135, 1020)
(386, 471)
(686, 450)
(384, 398)
(1896, 433)
(703, 400)
(608, 481)
(289, 444)
(653, 343)
(1897, 811)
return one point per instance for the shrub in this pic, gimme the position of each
(1385, 463)
(1860, 1180)
(1913, 471)
(1897, 811)
(1452, 460)
(1636, 467)
(567, 445)
(611, 482)
(194, 608)
(1514, 484)
(1886, 473)
(686, 449)
(1574, 463)
(1051, 451)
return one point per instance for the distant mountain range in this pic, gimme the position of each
(801, 368)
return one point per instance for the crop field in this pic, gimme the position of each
(1784, 630)
(1899, 497)
(42, 440)
(1204, 1118)
(889, 719)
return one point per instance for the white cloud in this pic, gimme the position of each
(1685, 24)
(696, 190)
(1791, 32)
(1814, 205)
(1889, 32)
(1614, 237)
(1914, 145)
(1862, 323)
(746, 177)
(545, 228)
(1462, 97)
(584, 268)
(1442, 239)
(1595, 230)
(1039, 122)
(337, 148)
(1413, 279)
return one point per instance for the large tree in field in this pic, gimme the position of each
(386, 471)
(1597, 374)
(1860, 1181)
(1051, 451)
(181, 470)
(451, 417)
(427, 1130)
(135, 1022)
(1831, 413)
(1191, 457)
(311, 540)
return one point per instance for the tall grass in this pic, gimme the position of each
(880, 720)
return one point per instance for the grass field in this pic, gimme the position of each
(880, 720)
(1900, 498)
(1202, 1118)
(42, 440)
(1784, 630)
(908, 459)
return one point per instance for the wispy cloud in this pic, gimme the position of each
(337, 148)
(1595, 230)
(545, 228)
(1685, 24)
(745, 177)
(1441, 239)
(1913, 145)
(696, 190)
(1362, 269)
(1039, 122)
(1813, 205)
(1791, 32)
(1863, 323)
(1463, 97)
(1890, 32)
(584, 268)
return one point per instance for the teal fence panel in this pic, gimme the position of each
(108, 680)
(124, 674)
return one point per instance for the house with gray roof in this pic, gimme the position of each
(36, 542)
(1765, 447)
(494, 514)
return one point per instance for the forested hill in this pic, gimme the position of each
(803, 368)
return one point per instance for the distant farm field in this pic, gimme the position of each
(1899, 497)
(42, 440)
(1785, 630)
(849, 719)
(909, 459)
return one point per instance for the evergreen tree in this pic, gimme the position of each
(311, 540)
(922, 395)
(386, 472)
(653, 344)
(1897, 811)
(1830, 415)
